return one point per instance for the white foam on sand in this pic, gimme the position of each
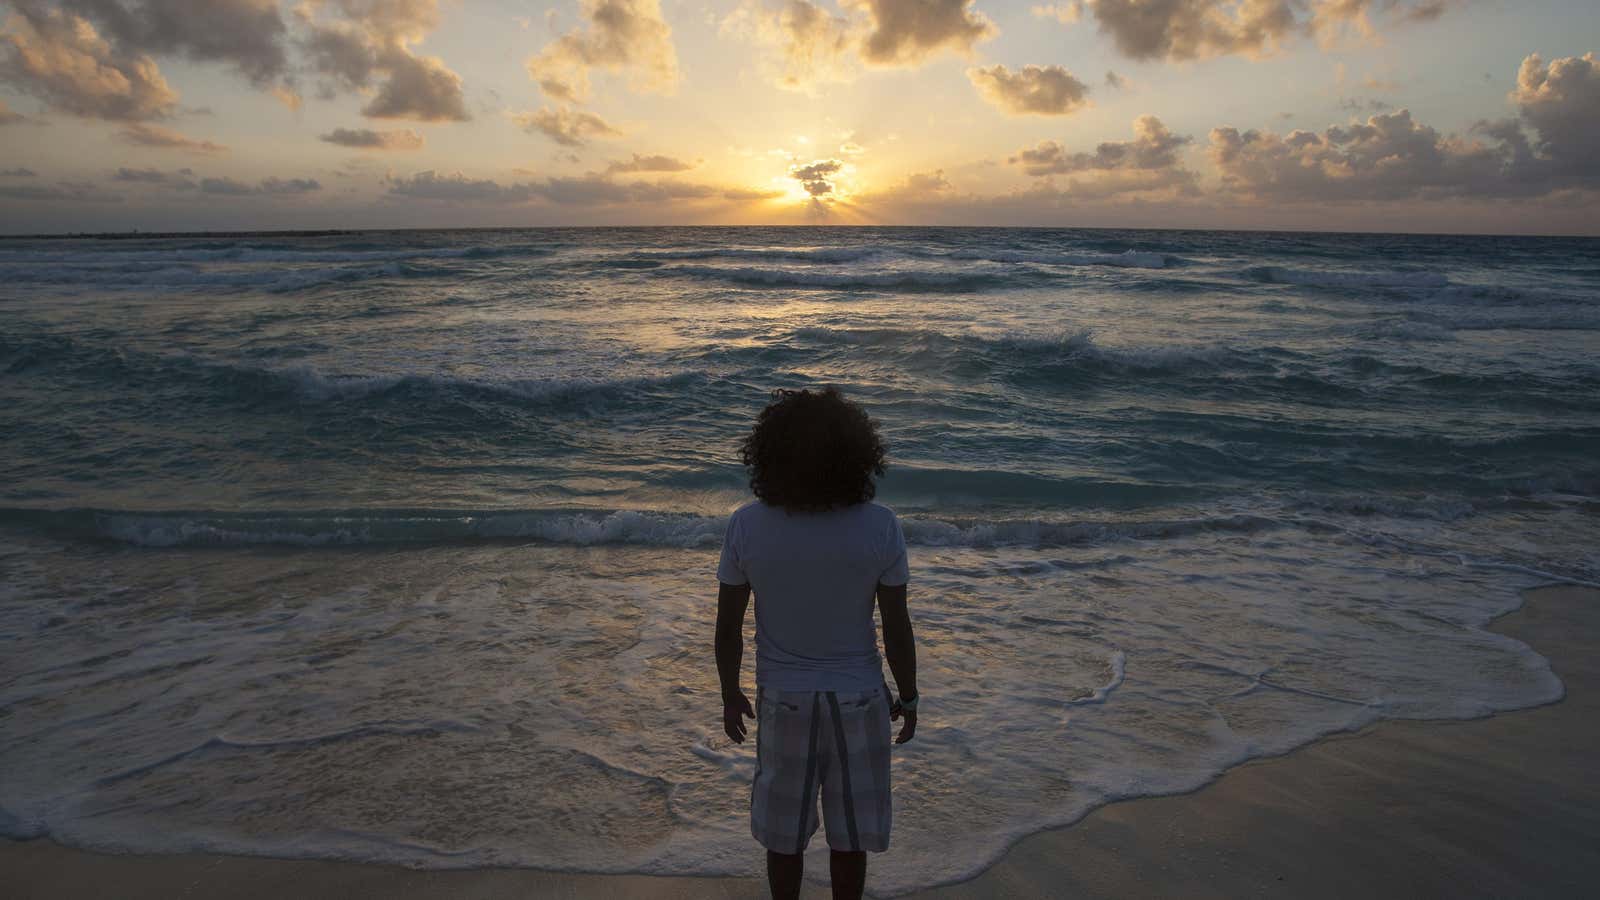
(471, 704)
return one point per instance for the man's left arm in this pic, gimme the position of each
(732, 602)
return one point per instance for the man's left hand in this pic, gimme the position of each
(734, 709)
(908, 730)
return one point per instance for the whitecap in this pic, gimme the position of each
(1335, 278)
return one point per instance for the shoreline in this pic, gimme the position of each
(1501, 805)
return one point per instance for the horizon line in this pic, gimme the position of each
(329, 232)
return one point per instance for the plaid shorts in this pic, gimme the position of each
(835, 741)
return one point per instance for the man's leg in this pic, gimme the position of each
(783, 799)
(855, 787)
(849, 871)
(784, 871)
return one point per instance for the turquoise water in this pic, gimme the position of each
(400, 545)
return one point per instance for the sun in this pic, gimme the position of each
(794, 193)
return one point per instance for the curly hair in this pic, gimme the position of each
(811, 452)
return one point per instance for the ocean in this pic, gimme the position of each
(400, 546)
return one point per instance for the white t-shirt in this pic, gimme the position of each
(815, 576)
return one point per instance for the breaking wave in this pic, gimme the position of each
(1078, 348)
(102, 256)
(305, 384)
(660, 529)
(797, 254)
(838, 255)
(902, 279)
(377, 527)
(1330, 278)
(1132, 259)
(143, 276)
(312, 385)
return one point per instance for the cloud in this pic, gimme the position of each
(1103, 194)
(1114, 81)
(619, 36)
(145, 135)
(377, 24)
(817, 176)
(357, 166)
(927, 182)
(750, 194)
(418, 87)
(8, 116)
(367, 139)
(247, 34)
(178, 180)
(817, 46)
(814, 171)
(19, 172)
(1148, 163)
(1561, 102)
(225, 186)
(63, 60)
(1153, 147)
(814, 46)
(342, 53)
(229, 187)
(1066, 12)
(1390, 156)
(96, 58)
(918, 187)
(906, 32)
(589, 190)
(1198, 29)
(597, 190)
(655, 163)
(1194, 29)
(80, 191)
(567, 127)
(1030, 90)
(1370, 104)
(354, 44)
(289, 185)
(457, 188)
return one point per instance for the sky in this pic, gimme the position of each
(1350, 115)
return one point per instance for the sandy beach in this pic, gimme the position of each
(1503, 806)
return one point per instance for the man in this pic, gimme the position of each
(817, 552)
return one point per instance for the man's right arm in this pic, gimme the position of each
(900, 648)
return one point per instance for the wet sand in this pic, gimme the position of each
(1503, 806)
